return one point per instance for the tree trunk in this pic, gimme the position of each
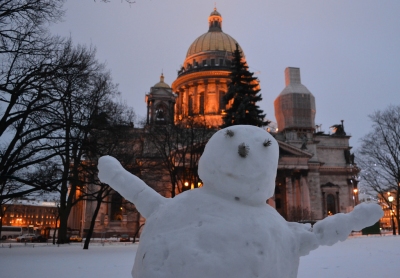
(93, 221)
(55, 230)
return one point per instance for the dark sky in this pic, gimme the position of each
(347, 50)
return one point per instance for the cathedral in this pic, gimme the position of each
(316, 175)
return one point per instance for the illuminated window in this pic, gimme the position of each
(222, 102)
(330, 204)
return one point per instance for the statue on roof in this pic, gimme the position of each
(338, 130)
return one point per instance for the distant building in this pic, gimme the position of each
(316, 176)
(34, 216)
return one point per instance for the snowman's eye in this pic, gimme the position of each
(267, 143)
(243, 150)
(229, 133)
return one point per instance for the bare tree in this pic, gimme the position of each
(379, 157)
(84, 88)
(27, 65)
(175, 150)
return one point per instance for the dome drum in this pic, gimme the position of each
(201, 98)
(222, 65)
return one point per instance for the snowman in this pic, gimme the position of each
(226, 228)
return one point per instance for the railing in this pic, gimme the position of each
(199, 68)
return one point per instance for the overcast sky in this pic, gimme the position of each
(348, 51)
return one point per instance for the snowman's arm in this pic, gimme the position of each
(338, 227)
(129, 186)
(306, 239)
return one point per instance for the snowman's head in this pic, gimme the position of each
(241, 161)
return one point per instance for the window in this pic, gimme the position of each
(330, 204)
(204, 62)
(212, 62)
(160, 113)
(201, 106)
(116, 207)
(221, 62)
(222, 102)
(190, 105)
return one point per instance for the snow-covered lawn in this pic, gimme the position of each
(361, 256)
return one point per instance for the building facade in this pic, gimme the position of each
(33, 216)
(316, 173)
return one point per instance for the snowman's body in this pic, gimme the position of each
(225, 228)
(221, 238)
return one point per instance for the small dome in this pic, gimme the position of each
(215, 13)
(161, 84)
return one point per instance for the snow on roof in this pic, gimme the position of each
(38, 203)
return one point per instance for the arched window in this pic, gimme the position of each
(160, 113)
(330, 204)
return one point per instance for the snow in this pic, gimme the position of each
(225, 228)
(358, 256)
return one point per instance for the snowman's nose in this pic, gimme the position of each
(243, 150)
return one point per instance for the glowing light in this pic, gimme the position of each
(186, 184)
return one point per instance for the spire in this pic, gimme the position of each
(162, 77)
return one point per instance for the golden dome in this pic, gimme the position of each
(213, 41)
(161, 84)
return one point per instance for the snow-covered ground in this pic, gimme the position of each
(359, 256)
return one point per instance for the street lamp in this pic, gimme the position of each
(390, 199)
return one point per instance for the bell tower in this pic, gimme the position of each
(295, 106)
(160, 104)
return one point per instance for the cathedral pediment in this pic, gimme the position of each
(291, 151)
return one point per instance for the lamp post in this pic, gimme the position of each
(390, 199)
